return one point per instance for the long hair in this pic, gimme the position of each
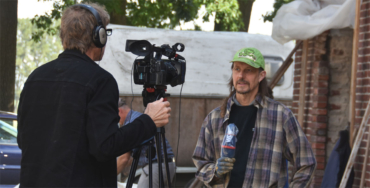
(263, 90)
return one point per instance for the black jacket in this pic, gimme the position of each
(68, 125)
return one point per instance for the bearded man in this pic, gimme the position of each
(269, 134)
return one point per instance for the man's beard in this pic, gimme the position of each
(244, 82)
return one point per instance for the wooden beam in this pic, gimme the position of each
(355, 147)
(352, 109)
(302, 88)
(365, 162)
(281, 71)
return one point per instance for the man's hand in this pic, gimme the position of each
(123, 162)
(159, 111)
(224, 165)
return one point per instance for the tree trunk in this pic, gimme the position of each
(119, 18)
(245, 7)
(219, 26)
(8, 42)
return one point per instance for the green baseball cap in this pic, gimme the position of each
(250, 56)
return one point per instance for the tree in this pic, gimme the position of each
(8, 32)
(245, 7)
(230, 15)
(30, 54)
(271, 15)
(155, 14)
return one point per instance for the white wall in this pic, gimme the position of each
(207, 54)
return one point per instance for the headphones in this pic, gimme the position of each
(99, 34)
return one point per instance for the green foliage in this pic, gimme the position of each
(271, 15)
(161, 13)
(30, 54)
(153, 13)
(228, 15)
(147, 13)
(44, 23)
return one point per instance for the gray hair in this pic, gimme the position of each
(121, 103)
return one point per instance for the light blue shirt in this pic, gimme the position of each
(131, 116)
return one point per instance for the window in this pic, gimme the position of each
(8, 134)
(272, 65)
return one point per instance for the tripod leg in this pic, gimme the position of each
(166, 158)
(150, 157)
(159, 158)
(131, 176)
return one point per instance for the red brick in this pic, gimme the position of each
(360, 74)
(315, 125)
(358, 166)
(359, 90)
(296, 85)
(335, 107)
(297, 78)
(319, 105)
(356, 183)
(318, 145)
(318, 112)
(318, 91)
(365, 81)
(323, 77)
(295, 91)
(295, 111)
(320, 166)
(318, 151)
(367, 183)
(319, 98)
(363, 144)
(359, 112)
(360, 159)
(361, 151)
(320, 139)
(322, 119)
(320, 159)
(322, 84)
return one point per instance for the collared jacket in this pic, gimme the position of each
(67, 125)
(277, 138)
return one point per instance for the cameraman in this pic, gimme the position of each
(124, 161)
(68, 112)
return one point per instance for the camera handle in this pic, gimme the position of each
(151, 95)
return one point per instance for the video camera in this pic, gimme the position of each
(155, 73)
(153, 70)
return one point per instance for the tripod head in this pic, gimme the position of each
(153, 93)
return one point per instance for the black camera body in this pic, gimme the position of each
(152, 70)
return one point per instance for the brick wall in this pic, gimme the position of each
(316, 99)
(363, 89)
(328, 90)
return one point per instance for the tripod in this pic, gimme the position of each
(150, 95)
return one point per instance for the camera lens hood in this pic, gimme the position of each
(141, 47)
